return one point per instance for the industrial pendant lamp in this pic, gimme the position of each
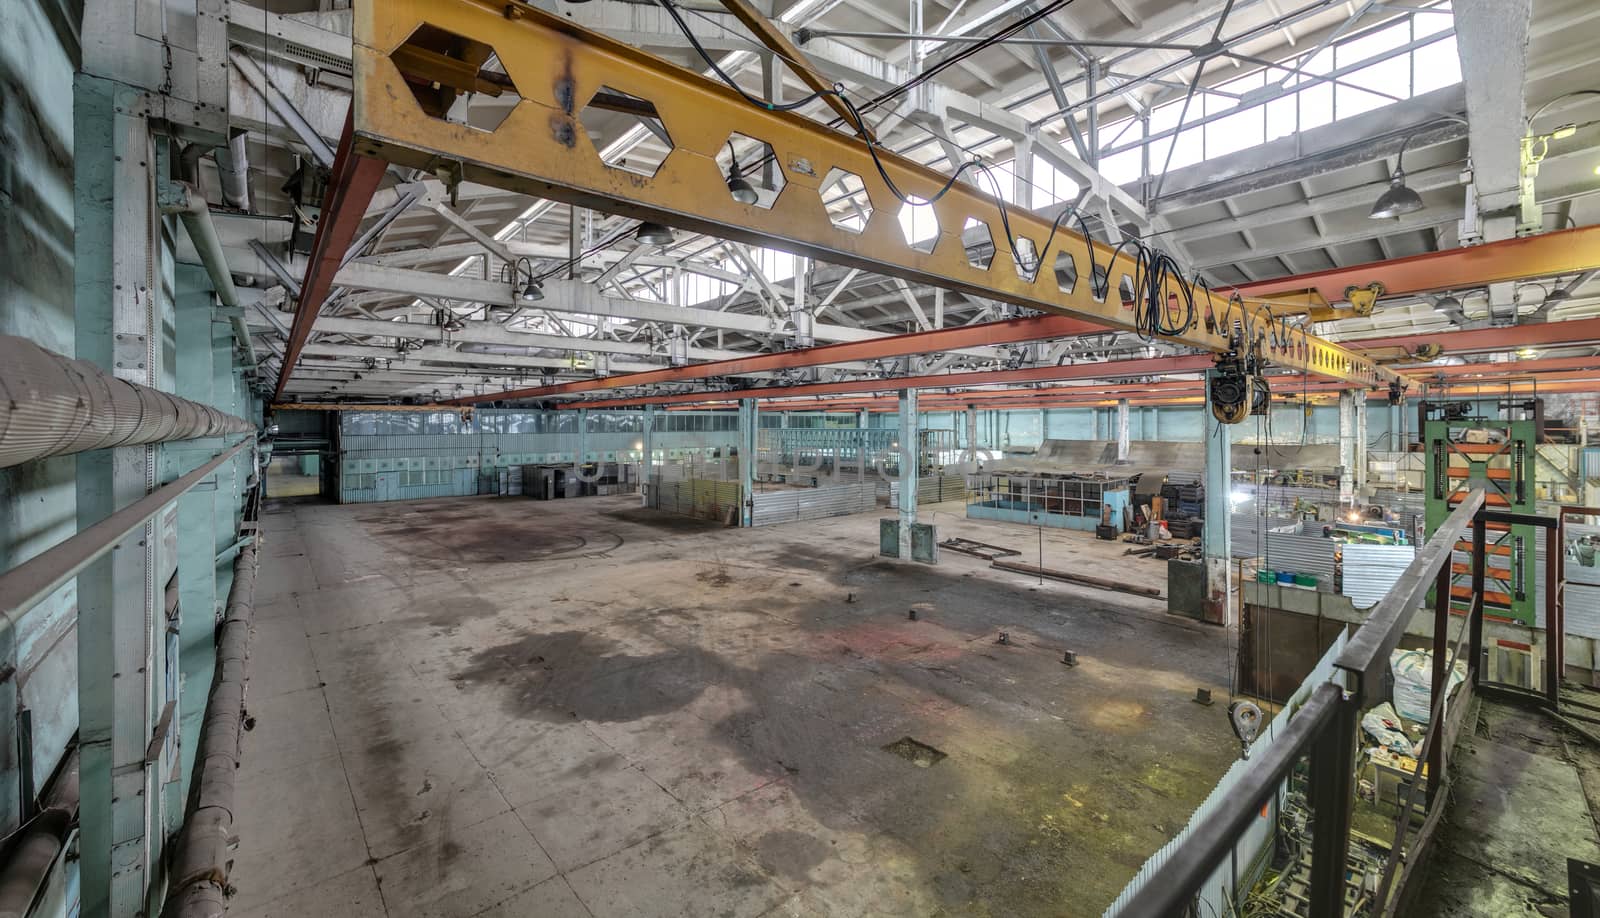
(742, 191)
(531, 291)
(1397, 199)
(653, 234)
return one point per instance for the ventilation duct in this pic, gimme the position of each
(52, 405)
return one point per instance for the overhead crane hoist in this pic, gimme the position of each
(414, 58)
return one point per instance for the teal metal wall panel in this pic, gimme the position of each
(438, 456)
(38, 500)
(200, 528)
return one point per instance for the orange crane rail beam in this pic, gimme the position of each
(1544, 255)
(1551, 334)
(542, 148)
(1110, 369)
(351, 184)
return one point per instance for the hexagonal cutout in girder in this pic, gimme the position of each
(456, 79)
(1066, 272)
(751, 170)
(1025, 257)
(627, 130)
(919, 224)
(845, 197)
(1099, 282)
(1125, 287)
(978, 243)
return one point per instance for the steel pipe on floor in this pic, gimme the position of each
(40, 843)
(52, 405)
(200, 867)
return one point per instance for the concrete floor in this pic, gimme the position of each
(1524, 799)
(580, 708)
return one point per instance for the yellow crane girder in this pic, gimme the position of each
(408, 68)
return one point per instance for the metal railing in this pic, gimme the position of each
(1324, 730)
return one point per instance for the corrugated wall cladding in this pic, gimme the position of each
(771, 507)
(1370, 571)
(1249, 532)
(708, 500)
(1300, 554)
(932, 489)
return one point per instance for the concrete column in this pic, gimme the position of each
(1347, 445)
(1022, 173)
(865, 457)
(908, 469)
(972, 438)
(749, 420)
(647, 462)
(1122, 430)
(583, 437)
(1216, 538)
(1359, 408)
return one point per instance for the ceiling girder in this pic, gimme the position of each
(541, 149)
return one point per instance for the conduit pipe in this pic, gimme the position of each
(52, 405)
(200, 866)
(189, 204)
(42, 837)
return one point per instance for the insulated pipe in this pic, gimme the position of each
(189, 204)
(233, 162)
(34, 853)
(200, 865)
(52, 405)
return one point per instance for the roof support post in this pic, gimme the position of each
(1216, 537)
(1492, 39)
(1122, 430)
(749, 422)
(910, 433)
(647, 464)
(1347, 447)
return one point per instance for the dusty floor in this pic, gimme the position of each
(518, 708)
(1524, 799)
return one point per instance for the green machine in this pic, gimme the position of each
(1498, 456)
